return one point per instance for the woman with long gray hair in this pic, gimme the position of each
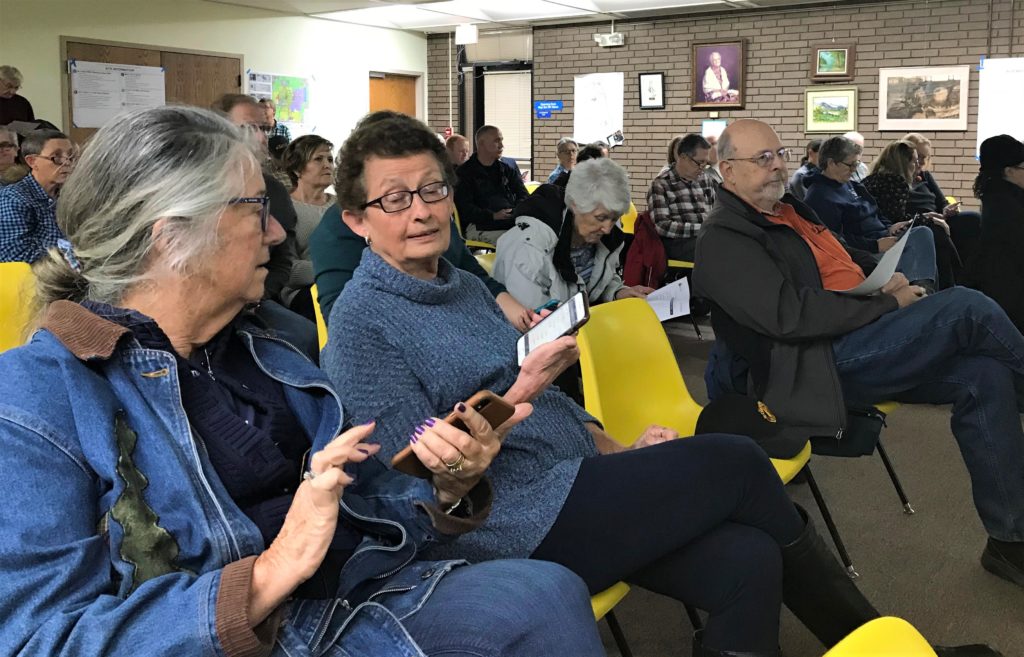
(168, 498)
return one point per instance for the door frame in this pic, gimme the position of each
(65, 78)
(421, 87)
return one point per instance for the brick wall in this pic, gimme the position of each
(908, 33)
(437, 83)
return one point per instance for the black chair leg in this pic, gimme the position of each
(696, 329)
(907, 509)
(827, 516)
(695, 620)
(620, 638)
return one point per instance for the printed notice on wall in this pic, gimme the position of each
(597, 106)
(1000, 98)
(99, 91)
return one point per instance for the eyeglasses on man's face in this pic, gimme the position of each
(7, 144)
(766, 158)
(398, 201)
(60, 160)
(264, 202)
(700, 165)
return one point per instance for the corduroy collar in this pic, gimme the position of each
(85, 334)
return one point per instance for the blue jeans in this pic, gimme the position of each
(917, 262)
(955, 347)
(491, 609)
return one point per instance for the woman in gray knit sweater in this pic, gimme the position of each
(703, 520)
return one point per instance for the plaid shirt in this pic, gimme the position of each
(28, 221)
(280, 130)
(677, 207)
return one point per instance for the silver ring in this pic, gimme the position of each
(308, 475)
(457, 466)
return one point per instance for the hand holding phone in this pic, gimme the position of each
(565, 320)
(495, 410)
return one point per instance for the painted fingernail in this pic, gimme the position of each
(413, 439)
(461, 407)
(363, 450)
(419, 431)
(366, 424)
(430, 421)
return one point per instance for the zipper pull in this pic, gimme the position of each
(839, 435)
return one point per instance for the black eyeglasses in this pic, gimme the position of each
(767, 158)
(851, 165)
(700, 165)
(60, 160)
(398, 201)
(7, 144)
(264, 202)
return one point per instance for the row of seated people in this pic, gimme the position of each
(208, 471)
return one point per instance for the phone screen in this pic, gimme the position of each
(565, 319)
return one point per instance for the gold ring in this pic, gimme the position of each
(457, 466)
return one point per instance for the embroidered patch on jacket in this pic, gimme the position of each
(147, 546)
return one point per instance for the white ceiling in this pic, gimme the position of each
(445, 15)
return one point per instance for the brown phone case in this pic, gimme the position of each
(493, 408)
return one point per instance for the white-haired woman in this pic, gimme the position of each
(560, 246)
(166, 499)
(12, 106)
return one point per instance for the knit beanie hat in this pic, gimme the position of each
(999, 152)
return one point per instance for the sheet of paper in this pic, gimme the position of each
(882, 273)
(22, 127)
(670, 301)
(597, 106)
(99, 91)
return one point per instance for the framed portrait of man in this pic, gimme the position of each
(719, 74)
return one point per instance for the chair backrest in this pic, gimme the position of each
(321, 325)
(458, 223)
(17, 289)
(486, 261)
(629, 219)
(883, 636)
(531, 186)
(631, 378)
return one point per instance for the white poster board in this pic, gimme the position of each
(1000, 98)
(597, 103)
(99, 91)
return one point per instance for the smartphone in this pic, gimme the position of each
(493, 408)
(566, 319)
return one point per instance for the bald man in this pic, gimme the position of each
(770, 266)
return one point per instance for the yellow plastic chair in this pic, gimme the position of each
(883, 637)
(17, 289)
(470, 244)
(486, 261)
(628, 389)
(321, 325)
(603, 603)
(629, 220)
(531, 186)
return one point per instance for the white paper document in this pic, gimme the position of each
(673, 300)
(99, 91)
(883, 272)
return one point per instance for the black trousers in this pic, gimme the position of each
(700, 520)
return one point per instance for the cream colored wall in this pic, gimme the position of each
(338, 56)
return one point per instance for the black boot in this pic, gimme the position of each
(818, 591)
(1005, 560)
(700, 651)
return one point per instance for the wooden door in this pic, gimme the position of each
(90, 52)
(393, 92)
(200, 79)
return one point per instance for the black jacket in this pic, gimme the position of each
(772, 311)
(996, 267)
(481, 191)
(282, 255)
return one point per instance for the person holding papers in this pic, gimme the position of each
(847, 208)
(559, 246)
(806, 351)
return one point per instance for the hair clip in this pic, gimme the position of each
(68, 252)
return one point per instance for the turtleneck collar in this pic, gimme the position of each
(383, 276)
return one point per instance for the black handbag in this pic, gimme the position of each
(863, 429)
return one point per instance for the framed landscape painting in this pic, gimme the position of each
(925, 98)
(832, 62)
(830, 109)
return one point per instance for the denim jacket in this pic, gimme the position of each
(118, 535)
